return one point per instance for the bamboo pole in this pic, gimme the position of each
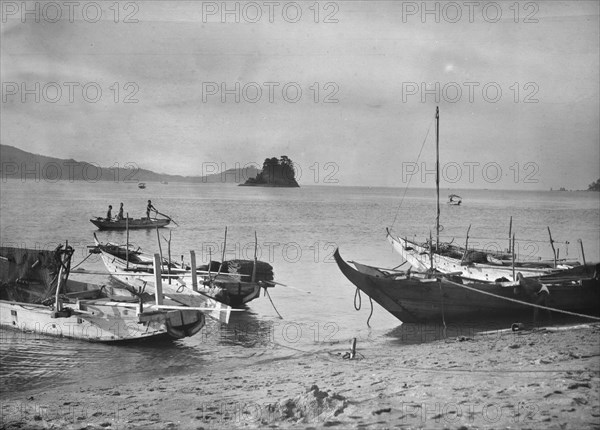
(159, 245)
(169, 255)
(158, 293)
(513, 256)
(194, 274)
(466, 244)
(255, 252)
(437, 175)
(552, 245)
(509, 234)
(223, 256)
(582, 254)
(209, 263)
(430, 251)
(127, 241)
(59, 284)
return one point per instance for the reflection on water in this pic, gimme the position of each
(414, 333)
(31, 360)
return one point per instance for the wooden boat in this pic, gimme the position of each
(418, 299)
(36, 295)
(134, 268)
(131, 223)
(474, 264)
(142, 185)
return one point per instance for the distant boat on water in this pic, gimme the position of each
(454, 200)
(132, 224)
(142, 185)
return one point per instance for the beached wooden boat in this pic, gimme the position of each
(474, 264)
(415, 298)
(36, 295)
(131, 223)
(134, 268)
(450, 286)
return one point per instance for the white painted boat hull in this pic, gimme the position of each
(420, 258)
(97, 321)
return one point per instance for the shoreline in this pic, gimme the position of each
(547, 378)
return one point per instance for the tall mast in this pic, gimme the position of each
(437, 175)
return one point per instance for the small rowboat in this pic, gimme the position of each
(141, 223)
(454, 200)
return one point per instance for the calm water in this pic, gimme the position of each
(298, 230)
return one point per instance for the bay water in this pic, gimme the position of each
(298, 230)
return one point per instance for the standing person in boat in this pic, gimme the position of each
(109, 213)
(150, 208)
(120, 215)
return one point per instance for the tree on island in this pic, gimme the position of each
(594, 186)
(276, 172)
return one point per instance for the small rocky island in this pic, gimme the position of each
(594, 186)
(276, 172)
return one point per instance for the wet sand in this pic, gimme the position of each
(530, 379)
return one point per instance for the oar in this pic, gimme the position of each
(168, 217)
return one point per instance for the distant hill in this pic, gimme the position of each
(18, 164)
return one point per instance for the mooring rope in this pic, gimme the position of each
(269, 296)
(371, 314)
(77, 265)
(410, 178)
(522, 302)
(357, 294)
(359, 306)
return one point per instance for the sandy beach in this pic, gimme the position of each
(547, 378)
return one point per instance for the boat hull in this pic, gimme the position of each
(96, 313)
(234, 293)
(134, 224)
(102, 322)
(136, 276)
(436, 301)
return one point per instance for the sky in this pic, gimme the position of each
(346, 89)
